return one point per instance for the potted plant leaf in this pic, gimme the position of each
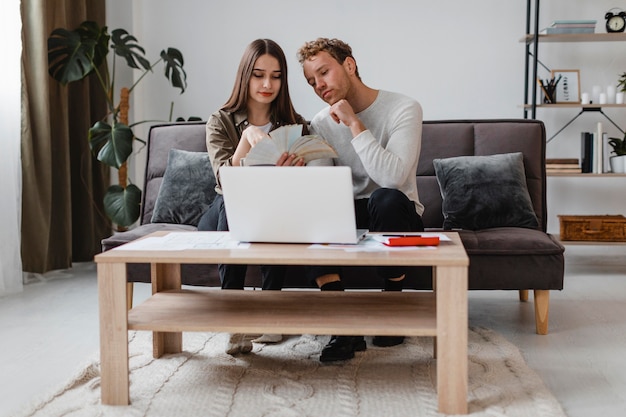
(618, 161)
(621, 82)
(76, 54)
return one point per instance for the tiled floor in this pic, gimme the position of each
(47, 331)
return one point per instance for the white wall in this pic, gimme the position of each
(460, 59)
(421, 49)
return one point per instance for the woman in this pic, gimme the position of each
(258, 104)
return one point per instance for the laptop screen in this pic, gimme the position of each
(289, 204)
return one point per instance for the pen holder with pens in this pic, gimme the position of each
(548, 88)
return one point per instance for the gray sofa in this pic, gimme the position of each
(501, 258)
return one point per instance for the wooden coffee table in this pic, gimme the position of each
(170, 311)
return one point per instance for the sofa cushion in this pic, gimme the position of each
(513, 258)
(509, 241)
(481, 192)
(187, 189)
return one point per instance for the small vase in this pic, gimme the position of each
(618, 164)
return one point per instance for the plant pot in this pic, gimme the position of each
(618, 164)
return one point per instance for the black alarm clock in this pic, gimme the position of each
(615, 22)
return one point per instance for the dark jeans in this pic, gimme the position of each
(387, 210)
(233, 276)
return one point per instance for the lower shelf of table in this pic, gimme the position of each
(288, 312)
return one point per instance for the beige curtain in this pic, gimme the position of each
(63, 185)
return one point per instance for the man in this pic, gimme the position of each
(378, 135)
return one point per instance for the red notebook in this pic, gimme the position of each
(412, 241)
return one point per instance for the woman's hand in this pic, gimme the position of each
(287, 160)
(253, 135)
(249, 138)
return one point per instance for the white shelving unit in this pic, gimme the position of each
(583, 193)
(533, 39)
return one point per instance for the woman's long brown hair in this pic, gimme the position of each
(282, 107)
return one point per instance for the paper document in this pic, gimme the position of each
(184, 241)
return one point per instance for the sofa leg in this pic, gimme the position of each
(129, 295)
(523, 295)
(542, 305)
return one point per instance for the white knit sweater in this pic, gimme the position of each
(386, 154)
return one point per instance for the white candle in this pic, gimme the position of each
(610, 94)
(595, 93)
(584, 98)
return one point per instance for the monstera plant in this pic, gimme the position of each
(76, 54)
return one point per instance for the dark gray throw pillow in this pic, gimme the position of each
(482, 192)
(187, 189)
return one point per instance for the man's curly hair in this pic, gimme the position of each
(338, 49)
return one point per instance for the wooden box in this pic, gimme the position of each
(603, 228)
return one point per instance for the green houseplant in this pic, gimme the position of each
(621, 82)
(76, 54)
(619, 145)
(618, 161)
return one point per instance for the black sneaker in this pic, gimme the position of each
(341, 348)
(387, 341)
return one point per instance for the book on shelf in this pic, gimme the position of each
(594, 151)
(570, 26)
(566, 30)
(586, 152)
(563, 165)
(569, 161)
(573, 22)
(288, 139)
(606, 150)
(569, 170)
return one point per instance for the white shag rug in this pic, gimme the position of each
(287, 380)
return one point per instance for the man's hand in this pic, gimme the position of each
(342, 112)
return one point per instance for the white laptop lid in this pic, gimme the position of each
(290, 204)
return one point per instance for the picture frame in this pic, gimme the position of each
(568, 86)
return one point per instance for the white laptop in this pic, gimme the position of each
(290, 204)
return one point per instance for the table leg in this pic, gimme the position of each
(166, 277)
(113, 333)
(452, 328)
